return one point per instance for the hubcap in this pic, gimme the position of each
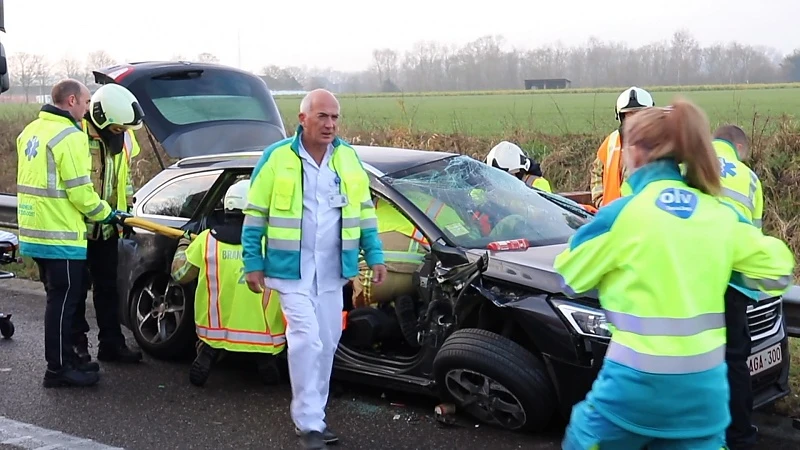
(485, 398)
(159, 311)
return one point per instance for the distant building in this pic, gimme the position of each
(548, 83)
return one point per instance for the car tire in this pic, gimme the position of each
(512, 374)
(181, 338)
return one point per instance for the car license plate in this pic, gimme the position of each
(765, 359)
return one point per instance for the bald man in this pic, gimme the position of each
(310, 196)
(54, 194)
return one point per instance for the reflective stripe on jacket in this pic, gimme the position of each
(227, 314)
(661, 281)
(275, 209)
(54, 188)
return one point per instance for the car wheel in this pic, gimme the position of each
(495, 380)
(162, 319)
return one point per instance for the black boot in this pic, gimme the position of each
(68, 377)
(119, 353)
(201, 367)
(80, 343)
(268, 369)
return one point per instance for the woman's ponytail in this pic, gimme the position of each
(693, 146)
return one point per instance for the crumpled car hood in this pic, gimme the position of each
(532, 267)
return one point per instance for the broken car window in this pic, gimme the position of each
(475, 204)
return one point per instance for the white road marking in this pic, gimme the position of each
(27, 436)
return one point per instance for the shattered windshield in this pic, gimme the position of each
(475, 204)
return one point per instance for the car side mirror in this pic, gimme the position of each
(4, 81)
(448, 256)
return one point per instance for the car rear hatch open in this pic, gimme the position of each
(200, 109)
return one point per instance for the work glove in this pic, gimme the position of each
(116, 217)
(535, 168)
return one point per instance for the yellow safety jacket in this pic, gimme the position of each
(54, 188)
(537, 182)
(660, 260)
(400, 255)
(227, 314)
(740, 185)
(111, 174)
(275, 208)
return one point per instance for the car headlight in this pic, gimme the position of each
(586, 321)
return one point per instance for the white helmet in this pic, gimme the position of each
(632, 99)
(236, 196)
(112, 104)
(509, 157)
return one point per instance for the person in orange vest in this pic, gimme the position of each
(609, 173)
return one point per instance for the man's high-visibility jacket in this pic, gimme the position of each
(111, 174)
(275, 209)
(54, 188)
(609, 173)
(661, 282)
(227, 314)
(740, 184)
(742, 189)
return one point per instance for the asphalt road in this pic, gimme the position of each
(152, 405)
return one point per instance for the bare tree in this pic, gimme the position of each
(71, 68)
(23, 71)
(100, 59)
(385, 64)
(41, 73)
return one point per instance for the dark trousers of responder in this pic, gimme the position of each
(63, 281)
(102, 256)
(740, 434)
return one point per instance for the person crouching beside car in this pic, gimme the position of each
(663, 382)
(228, 315)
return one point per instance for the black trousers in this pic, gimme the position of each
(63, 281)
(740, 433)
(101, 258)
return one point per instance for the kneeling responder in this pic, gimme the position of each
(512, 159)
(228, 315)
(609, 174)
(404, 248)
(113, 114)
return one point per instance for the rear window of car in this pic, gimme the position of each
(192, 97)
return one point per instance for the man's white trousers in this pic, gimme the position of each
(313, 329)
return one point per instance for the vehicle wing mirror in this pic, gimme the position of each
(448, 256)
(4, 81)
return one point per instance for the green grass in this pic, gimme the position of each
(489, 113)
(553, 112)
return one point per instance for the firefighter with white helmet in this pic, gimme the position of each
(608, 170)
(114, 113)
(509, 157)
(228, 315)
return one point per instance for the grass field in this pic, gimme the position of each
(553, 112)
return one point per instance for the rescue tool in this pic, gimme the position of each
(154, 227)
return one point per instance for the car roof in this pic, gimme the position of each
(384, 159)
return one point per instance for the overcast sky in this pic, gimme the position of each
(341, 34)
